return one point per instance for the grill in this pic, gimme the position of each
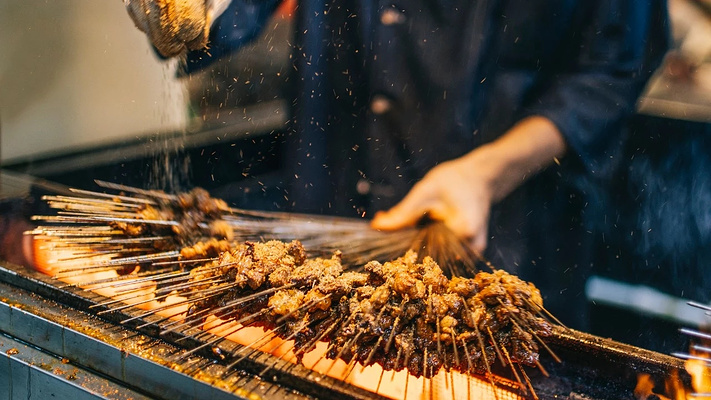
(54, 343)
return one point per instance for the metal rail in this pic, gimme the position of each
(142, 360)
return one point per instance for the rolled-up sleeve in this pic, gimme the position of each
(606, 67)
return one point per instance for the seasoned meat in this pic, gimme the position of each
(208, 249)
(398, 314)
(193, 216)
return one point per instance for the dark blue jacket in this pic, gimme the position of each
(447, 75)
(385, 90)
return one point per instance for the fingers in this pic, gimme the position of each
(159, 28)
(479, 242)
(445, 194)
(137, 11)
(190, 20)
(395, 218)
(173, 26)
(471, 225)
(474, 234)
(404, 214)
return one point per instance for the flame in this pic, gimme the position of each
(676, 388)
(700, 377)
(397, 385)
(698, 368)
(644, 388)
(673, 387)
(700, 373)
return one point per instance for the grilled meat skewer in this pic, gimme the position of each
(399, 314)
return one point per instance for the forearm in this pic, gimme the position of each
(528, 147)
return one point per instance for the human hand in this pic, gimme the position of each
(457, 192)
(173, 26)
(460, 192)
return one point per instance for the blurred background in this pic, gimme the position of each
(76, 74)
(84, 96)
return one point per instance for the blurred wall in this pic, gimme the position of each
(75, 73)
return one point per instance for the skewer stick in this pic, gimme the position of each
(513, 367)
(191, 319)
(345, 347)
(124, 261)
(454, 346)
(380, 380)
(496, 346)
(126, 199)
(528, 383)
(367, 243)
(253, 347)
(396, 325)
(123, 188)
(219, 339)
(207, 292)
(280, 344)
(312, 343)
(517, 323)
(691, 332)
(160, 321)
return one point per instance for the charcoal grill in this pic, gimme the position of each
(53, 343)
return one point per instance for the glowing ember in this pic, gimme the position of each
(445, 385)
(700, 377)
(675, 387)
(698, 366)
(644, 388)
(646, 385)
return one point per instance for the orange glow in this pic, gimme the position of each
(700, 373)
(644, 388)
(397, 385)
(286, 9)
(700, 376)
(674, 386)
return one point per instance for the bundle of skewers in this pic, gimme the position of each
(410, 300)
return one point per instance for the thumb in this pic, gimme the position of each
(404, 214)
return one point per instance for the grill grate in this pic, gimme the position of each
(592, 367)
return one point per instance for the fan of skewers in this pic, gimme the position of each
(414, 299)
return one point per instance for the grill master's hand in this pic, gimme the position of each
(460, 192)
(175, 26)
(456, 193)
